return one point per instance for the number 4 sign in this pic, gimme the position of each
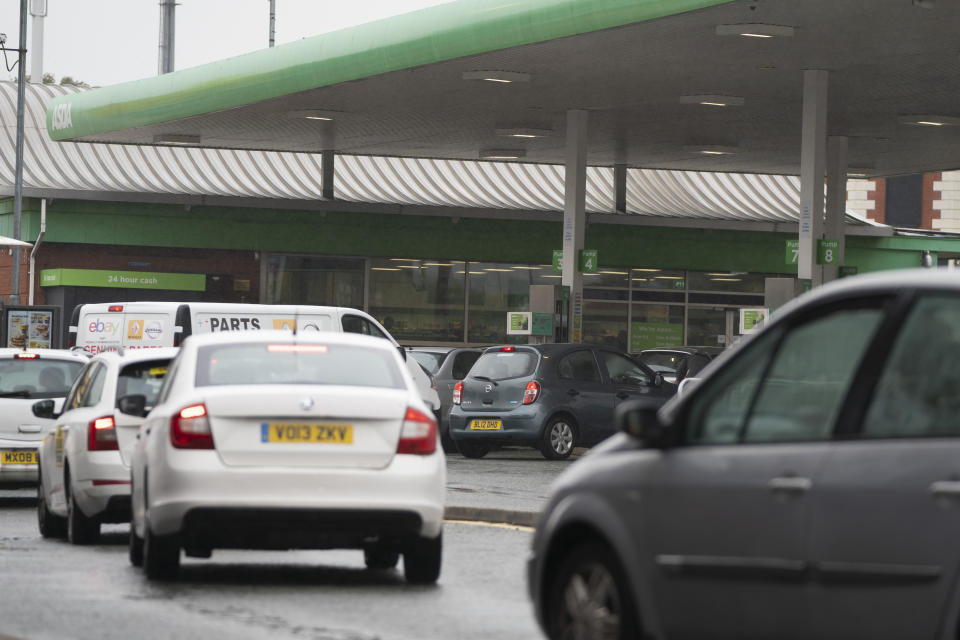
(589, 260)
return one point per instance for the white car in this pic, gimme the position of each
(85, 458)
(269, 440)
(25, 376)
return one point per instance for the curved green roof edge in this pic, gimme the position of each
(435, 34)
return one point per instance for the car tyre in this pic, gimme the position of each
(449, 446)
(80, 528)
(589, 598)
(51, 525)
(422, 560)
(161, 555)
(380, 558)
(471, 450)
(558, 438)
(136, 547)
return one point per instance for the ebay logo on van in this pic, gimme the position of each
(99, 326)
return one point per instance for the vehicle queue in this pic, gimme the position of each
(774, 488)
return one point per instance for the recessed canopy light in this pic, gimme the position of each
(711, 149)
(928, 120)
(505, 77)
(713, 100)
(313, 114)
(755, 30)
(383, 269)
(726, 279)
(524, 132)
(652, 270)
(176, 138)
(502, 154)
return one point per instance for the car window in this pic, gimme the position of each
(429, 360)
(142, 378)
(623, 370)
(660, 361)
(357, 324)
(79, 387)
(918, 392)
(258, 363)
(94, 390)
(462, 363)
(168, 378)
(579, 365)
(37, 377)
(500, 365)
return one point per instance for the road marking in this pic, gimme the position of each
(498, 525)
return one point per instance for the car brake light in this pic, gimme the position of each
(457, 392)
(508, 349)
(115, 308)
(418, 435)
(190, 428)
(26, 356)
(102, 435)
(531, 392)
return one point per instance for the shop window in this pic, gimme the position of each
(336, 282)
(495, 289)
(420, 300)
(655, 325)
(657, 279)
(606, 323)
(736, 281)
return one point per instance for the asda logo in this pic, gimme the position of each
(61, 117)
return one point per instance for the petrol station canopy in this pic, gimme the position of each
(481, 80)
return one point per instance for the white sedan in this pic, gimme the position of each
(85, 457)
(278, 441)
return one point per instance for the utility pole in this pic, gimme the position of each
(273, 20)
(167, 32)
(18, 182)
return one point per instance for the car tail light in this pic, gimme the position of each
(102, 435)
(26, 356)
(418, 435)
(72, 339)
(114, 308)
(508, 349)
(531, 392)
(190, 428)
(457, 392)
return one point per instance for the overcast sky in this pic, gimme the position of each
(104, 42)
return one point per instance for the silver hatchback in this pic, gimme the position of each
(808, 487)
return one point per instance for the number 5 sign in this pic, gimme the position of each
(828, 251)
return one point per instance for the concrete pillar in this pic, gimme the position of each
(574, 216)
(328, 164)
(813, 160)
(38, 9)
(167, 35)
(620, 187)
(836, 200)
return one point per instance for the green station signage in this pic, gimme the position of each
(122, 279)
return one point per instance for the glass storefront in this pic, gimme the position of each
(437, 301)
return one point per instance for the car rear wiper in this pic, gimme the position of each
(22, 393)
(485, 379)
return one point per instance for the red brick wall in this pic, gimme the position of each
(929, 214)
(879, 196)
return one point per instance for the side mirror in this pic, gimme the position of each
(657, 379)
(45, 409)
(639, 418)
(133, 405)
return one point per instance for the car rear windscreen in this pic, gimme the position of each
(500, 365)
(37, 378)
(660, 361)
(142, 378)
(429, 360)
(285, 363)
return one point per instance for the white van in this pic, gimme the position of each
(145, 325)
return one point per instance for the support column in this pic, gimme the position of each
(38, 9)
(813, 156)
(620, 187)
(836, 200)
(574, 216)
(328, 163)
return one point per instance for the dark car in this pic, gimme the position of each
(677, 363)
(808, 487)
(552, 397)
(446, 366)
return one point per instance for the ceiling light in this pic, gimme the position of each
(713, 100)
(497, 76)
(711, 149)
(668, 277)
(312, 114)
(520, 266)
(726, 279)
(441, 264)
(928, 120)
(502, 154)
(614, 273)
(496, 269)
(654, 270)
(524, 132)
(383, 269)
(552, 276)
(404, 260)
(409, 266)
(176, 138)
(755, 30)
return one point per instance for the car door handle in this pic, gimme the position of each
(946, 488)
(790, 484)
(572, 392)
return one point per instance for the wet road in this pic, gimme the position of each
(49, 589)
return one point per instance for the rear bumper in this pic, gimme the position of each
(18, 475)
(519, 426)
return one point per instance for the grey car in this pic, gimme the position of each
(677, 363)
(447, 366)
(807, 487)
(552, 396)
